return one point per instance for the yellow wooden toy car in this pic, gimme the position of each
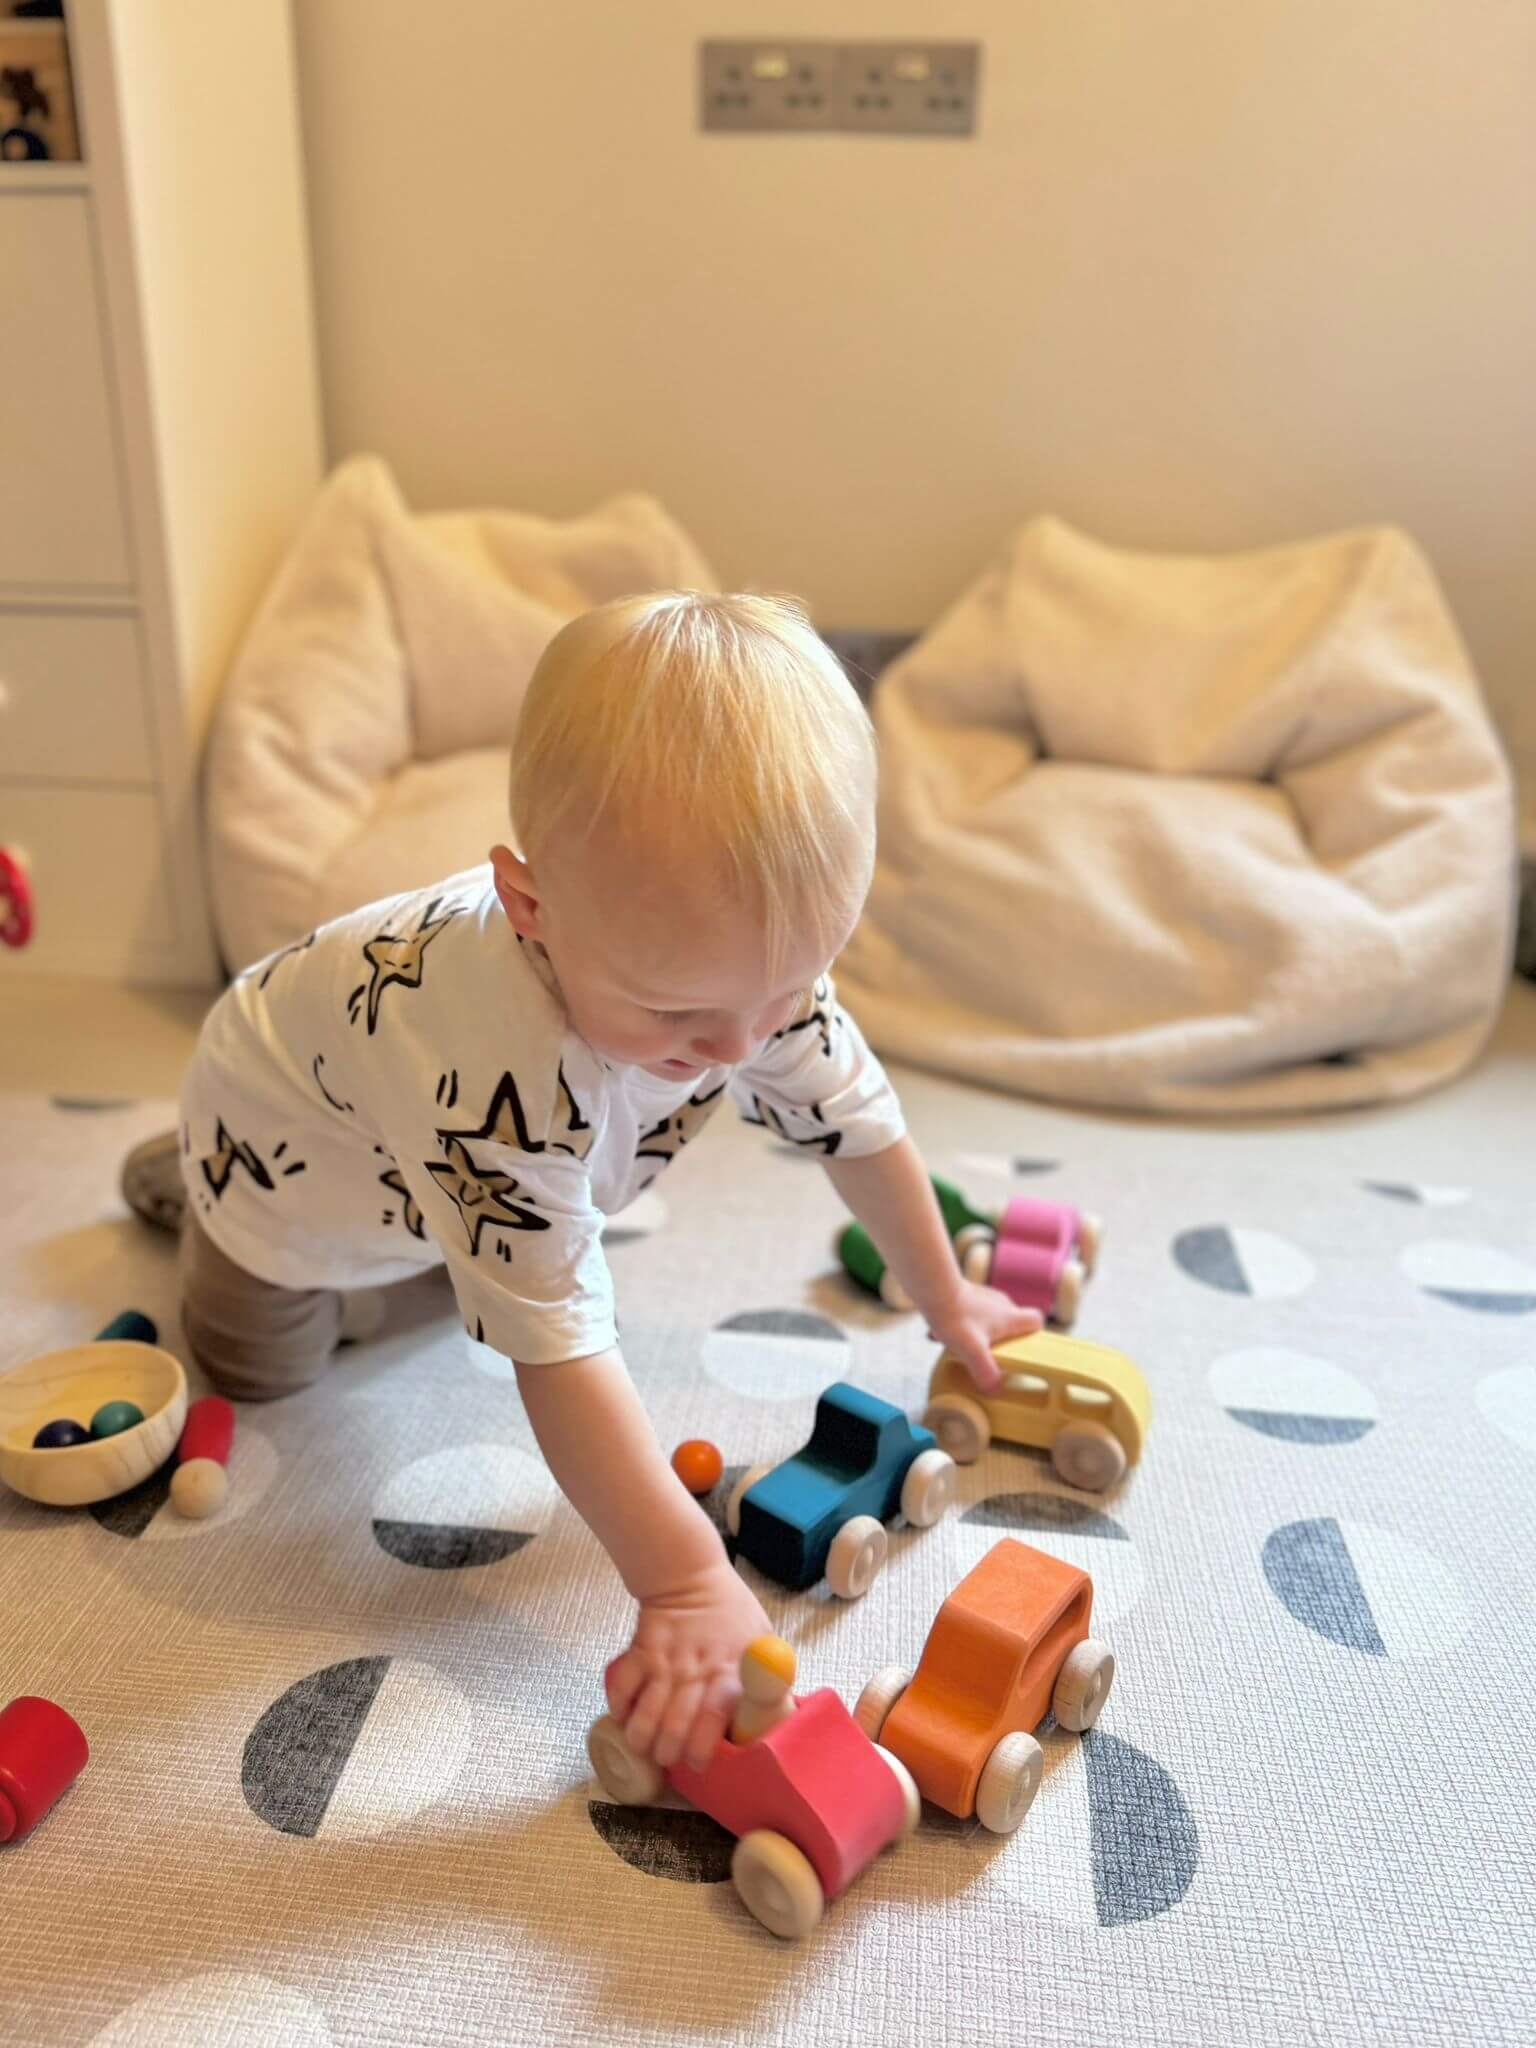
(1084, 1403)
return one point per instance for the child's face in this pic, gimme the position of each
(668, 979)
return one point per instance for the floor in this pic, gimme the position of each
(338, 1794)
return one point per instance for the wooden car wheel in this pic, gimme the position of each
(1090, 1238)
(629, 1780)
(960, 1424)
(976, 1256)
(775, 1882)
(1089, 1455)
(739, 1492)
(1082, 1685)
(912, 1799)
(1010, 1779)
(928, 1489)
(878, 1697)
(857, 1557)
(1069, 1293)
(894, 1295)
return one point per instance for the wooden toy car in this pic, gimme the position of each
(812, 1800)
(1039, 1253)
(1010, 1643)
(1084, 1403)
(822, 1510)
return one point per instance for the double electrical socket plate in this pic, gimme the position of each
(854, 88)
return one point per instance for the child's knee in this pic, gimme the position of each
(254, 1340)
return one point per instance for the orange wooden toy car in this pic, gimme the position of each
(1010, 1644)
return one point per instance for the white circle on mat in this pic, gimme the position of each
(776, 1354)
(1064, 1526)
(1240, 1261)
(355, 1749)
(472, 1505)
(1366, 1587)
(1293, 1396)
(1475, 1276)
(1508, 1400)
(253, 1464)
(1111, 1837)
(235, 2008)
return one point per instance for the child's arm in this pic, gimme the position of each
(893, 1198)
(676, 1687)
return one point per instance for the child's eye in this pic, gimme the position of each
(671, 1016)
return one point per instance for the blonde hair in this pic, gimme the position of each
(697, 724)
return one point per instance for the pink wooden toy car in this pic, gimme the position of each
(810, 1798)
(1040, 1256)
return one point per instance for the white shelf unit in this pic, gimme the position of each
(159, 442)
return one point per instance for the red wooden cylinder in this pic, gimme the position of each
(42, 1752)
(208, 1431)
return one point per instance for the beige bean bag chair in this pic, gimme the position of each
(360, 745)
(1169, 832)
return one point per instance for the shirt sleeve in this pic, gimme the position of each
(817, 1084)
(509, 1199)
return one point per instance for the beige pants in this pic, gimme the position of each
(253, 1339)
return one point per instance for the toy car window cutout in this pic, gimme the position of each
(852, 1442)
(1077, 1395)
(1027, 1386)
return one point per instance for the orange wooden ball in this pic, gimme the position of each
(698, 1464)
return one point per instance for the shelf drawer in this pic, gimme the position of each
(73, 698)
(96, 858)
(61, 512)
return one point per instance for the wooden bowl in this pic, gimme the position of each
(76, 1383)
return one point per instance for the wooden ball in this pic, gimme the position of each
(199, 1488)
(698, 1464)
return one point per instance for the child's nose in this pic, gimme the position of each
(725, 1046)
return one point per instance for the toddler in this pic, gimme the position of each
(476, 1073)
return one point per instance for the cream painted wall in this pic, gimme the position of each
(1214, 273)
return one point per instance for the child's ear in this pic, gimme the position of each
(518, 892)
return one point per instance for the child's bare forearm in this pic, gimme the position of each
(598, 1442)
(893, 1198)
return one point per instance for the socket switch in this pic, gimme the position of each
(909, 88)
(861, 88)
(768, 86)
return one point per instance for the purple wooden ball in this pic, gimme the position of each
(62, 1435)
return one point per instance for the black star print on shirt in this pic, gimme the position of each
(227, 1154)
(506, 1122)
(666, 1139)
(400, 959)
(410, 1209)
(278, 958)
(823, 1140)
(484, 1195)
(819, 1016)
(481, 1194)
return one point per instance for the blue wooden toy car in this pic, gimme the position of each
(824, 1509)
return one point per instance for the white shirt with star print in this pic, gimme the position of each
(404, 1088)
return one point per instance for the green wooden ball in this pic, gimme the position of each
(113, 1417)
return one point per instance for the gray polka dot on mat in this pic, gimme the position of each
(665, 1841)
(1242, 1261)
(1365, 1588)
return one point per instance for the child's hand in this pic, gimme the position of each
(675, 1688)
(976, 1319)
